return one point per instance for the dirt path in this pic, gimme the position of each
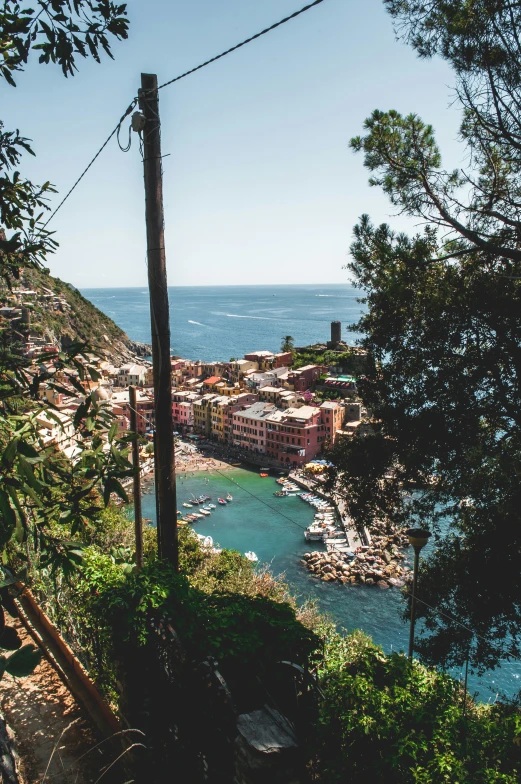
(52, 731)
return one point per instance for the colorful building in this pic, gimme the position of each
(302, 379)
(332, 420)
(249, 427)
(144, 407)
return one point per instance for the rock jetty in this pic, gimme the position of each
(378, 564)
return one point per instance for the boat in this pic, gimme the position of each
(205, 512)
(188, 506)
(205, 541)
(229, 497)
(236, 464)
(263, 474)
(198, 516)
(212, 506)
(221, 501)
(182, 522)
(250, 555)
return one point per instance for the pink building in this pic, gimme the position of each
(235, 404)
(183, 409)
(249, 427)
(304, 377)
(294, 436)
(332, 416)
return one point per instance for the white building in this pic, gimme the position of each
(134, 375)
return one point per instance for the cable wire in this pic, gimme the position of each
(84, 172)
(294, 522)
(243, 43)
(171, 81)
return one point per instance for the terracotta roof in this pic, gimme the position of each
(212, 380)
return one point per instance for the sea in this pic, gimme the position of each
(220, 322)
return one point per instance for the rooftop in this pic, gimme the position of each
(258, 411)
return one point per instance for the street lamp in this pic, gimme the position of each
(418, 538)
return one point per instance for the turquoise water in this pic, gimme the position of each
(273, 528)
(216, 323)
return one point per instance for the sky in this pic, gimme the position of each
(260, 186)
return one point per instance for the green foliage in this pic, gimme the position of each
(233, 627)
(386, 720)
(45, 498)
(443, 325)
(349, 362)
(288, 343)
(60, 31)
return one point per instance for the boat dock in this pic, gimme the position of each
(354, 537)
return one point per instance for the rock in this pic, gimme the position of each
(369, 581)
(382, 584)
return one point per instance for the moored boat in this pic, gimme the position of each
(221, 501)
(251, 556)
(229, 497)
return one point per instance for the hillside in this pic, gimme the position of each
(61, 314)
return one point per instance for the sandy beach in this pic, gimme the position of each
(187, 464)
(189, 458)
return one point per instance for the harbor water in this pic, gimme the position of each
(273, 528)
(220, 322)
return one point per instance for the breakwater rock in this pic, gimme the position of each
(379, 565)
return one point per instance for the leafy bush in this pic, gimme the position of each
(384, 719)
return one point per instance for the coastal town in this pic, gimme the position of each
(260, 407)
(266, 410)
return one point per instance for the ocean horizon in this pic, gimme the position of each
(220, 322)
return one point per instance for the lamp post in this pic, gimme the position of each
(418, 538)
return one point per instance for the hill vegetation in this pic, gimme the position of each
(78, 320)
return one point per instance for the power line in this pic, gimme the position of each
(243, 43)
(171, 81)
(84, 172)
(302, 528)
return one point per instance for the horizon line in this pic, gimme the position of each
(217, 285)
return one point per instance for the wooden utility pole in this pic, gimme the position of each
(138, 514)
(160, 322)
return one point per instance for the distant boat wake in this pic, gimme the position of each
(237, 315)
(196, 322)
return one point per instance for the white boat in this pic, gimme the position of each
(196, 514)
(205, 512)
(205, 541)
(212, 506)
(250, 555)
(313, 536)
(188, 506)
(229, 497)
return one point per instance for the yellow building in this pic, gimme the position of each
(202, 415)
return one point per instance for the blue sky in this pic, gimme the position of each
(259, 183)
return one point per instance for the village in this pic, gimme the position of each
(259, 410)
(259, 407)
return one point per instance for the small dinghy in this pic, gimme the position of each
(221, 501)
(229, 497)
